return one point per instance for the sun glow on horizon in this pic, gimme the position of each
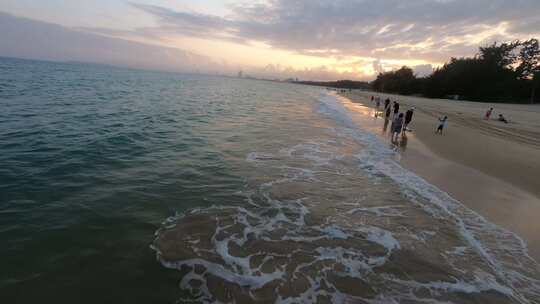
(304, 39)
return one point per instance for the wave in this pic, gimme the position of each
(336, 219)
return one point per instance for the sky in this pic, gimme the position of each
(306, 39)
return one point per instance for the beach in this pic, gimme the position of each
(490, 166)
(240, 152)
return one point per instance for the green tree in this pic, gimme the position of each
(529, 59)
(401, 81)
(535, 86)
(499, 55)
(500, 72)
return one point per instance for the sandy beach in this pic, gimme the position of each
(490, 166)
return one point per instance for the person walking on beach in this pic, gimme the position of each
(397, 125)
(387, 114)
(488, 114)
(386, 103)
(408, 118)
(442, 124)
(396, 108)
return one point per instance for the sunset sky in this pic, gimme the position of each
(309, 39)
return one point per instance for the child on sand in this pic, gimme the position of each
(501, 118)
(442, 124)
(488, 114)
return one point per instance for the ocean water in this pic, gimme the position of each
(124, 186)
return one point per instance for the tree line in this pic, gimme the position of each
(505, 72)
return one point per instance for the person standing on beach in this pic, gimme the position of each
(488, 114)
(396, 108)
(387, 103)
(442, 124)
(397, 125)
(377, 105)
(408, 118)
(387, 114)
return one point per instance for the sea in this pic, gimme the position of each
(129, 186)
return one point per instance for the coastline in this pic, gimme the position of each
(492, 169)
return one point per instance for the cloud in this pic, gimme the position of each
(377, 66)
(324, 73)
(388, 29)
(329, 36)
(422, 70)
(25, 38)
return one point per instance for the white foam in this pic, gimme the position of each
(459, 250)
(387, 211)
(256, 156)
(381, 237)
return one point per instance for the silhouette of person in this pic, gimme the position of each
(408, 118)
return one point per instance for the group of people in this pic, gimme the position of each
(400, 121)
(488, 116)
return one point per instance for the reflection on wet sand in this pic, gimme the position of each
(399, 141)
(403, 142)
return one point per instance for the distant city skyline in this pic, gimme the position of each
(312, 40)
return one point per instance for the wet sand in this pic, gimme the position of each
(492, 167)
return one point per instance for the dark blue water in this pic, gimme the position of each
(126, 186)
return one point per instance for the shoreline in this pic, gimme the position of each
(461, 161)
